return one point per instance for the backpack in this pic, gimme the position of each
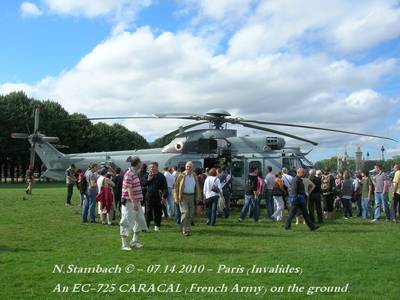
(325, 183)
(83, 185)
(357, 192)
(251, 183)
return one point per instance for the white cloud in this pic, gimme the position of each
(376, 23)
(29, 9)
(262, 74)
(140, 73)
(223, 9)
(121, 12)
(7, 88)
(336, 25)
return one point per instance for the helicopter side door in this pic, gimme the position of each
(238, 177)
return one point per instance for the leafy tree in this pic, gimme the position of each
(75, 131)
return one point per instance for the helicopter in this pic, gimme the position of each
(211, 147)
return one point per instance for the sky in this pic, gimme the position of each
(332, 64)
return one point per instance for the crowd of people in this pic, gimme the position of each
(142, 195)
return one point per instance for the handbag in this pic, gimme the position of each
(215, 187)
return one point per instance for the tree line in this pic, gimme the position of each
(17, 115)
(367, 165)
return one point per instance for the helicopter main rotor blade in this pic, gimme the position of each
(184, 128)
(318, 128)
(277, 132)
(178, 115)
(113, 118)
(17, 135)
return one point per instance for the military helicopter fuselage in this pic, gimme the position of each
(206, 148)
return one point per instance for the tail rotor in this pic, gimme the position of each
(34, 138)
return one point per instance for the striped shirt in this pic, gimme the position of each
(131, 179)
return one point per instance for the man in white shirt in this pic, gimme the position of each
(287, 181)
(269, 182)
(170, 200)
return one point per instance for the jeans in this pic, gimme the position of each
(279, 207)
(347, 207)
(177, 214)
(170, 203)
(293, 210)
(364, 207)
(248, 200)
(89, 206)
(396, 207)
(212, 204)
(70, 190)
(359, 207)
(227, 196)
(269, 203)
(379, 199)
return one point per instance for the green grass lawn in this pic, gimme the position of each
(38, 232)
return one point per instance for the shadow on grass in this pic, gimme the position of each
(37, 185)
(223, 232)
(201, 249)
(10, 249)
(247, 224)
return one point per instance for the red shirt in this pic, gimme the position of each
(131, 179)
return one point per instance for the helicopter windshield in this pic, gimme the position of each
(289, 162)
(305, 163)
(296, 162)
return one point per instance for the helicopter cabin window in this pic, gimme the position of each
(256, 164)
(237, 169)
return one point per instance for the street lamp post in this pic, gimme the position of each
(383, 150)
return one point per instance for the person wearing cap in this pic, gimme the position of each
(132, 217)
(70, 180)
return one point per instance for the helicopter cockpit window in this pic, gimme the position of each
(289, 163)
(237, 169)
(175, 146)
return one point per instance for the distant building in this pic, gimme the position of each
(344, 159)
